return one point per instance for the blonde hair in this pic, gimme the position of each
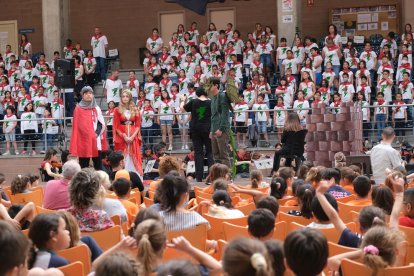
(72, 226)
(256, 177)
(292, 123)
(131, 105)
(386, 241)
(105, 184)
(314, 174)
(151, 239)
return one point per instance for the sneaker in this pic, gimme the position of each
(42, 152)
(34, 152)
(170, 148)
(24, 152)
(182, 147)
(6, 153)
(16, 152)
(186, 147)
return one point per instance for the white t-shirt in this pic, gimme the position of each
(37, 100)
(365, 89)
(368, 58)
(385, 88)
(346, 90)
(264, 48)
(399, 110)
(166, 108)
(28, 122)
(281, 51)
(98, 46)
(155, 44)
(280, 115)
(57, 109)
(331, 55)
(133, 87)
(9, 123)
(89, 63)
(113, 90)
(261, 116)
(146, 120)
(299, 53)
(240, 116)
(406, 91)
(300, 106)
(292, 64)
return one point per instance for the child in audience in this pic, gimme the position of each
(362, 188)
(261, 224)
(276, 254)
(306, 251)
(382, 197)
(222, 207)
(122, 189)
(347, 177)
(256, 178)
(323, 221)
(20, 185)
(49, 235)
(305, 194)
(408, 219)
(270, 203)
(334, 175)
(118, 263)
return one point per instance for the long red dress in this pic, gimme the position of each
(128, 126)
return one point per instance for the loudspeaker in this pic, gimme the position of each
(65, 73)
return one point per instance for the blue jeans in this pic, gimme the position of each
(380, 122)
(265, 59)
(69, 103)
(318, 76)
(336, 69)
(101, 68)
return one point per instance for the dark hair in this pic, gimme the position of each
(261, 222)
(172, 187)
(348, 173)
(367, 217)
(32, 178)
(49, 154)
(179, 268)
(382, 197)
(11, 107)
(270, 203)
(278, 187)
(317, 209)
(83, 188)
(296, 184)
(121, 186)
(40, 232)
(329, 173)
(362, 185)
(115, 158)
(305, 194)
(306, 251)
(143, 214)
(201, 92)
(277, 255)
(117, 264)
(304, 169)
(14, 248)
(215, 82)
(222, 198)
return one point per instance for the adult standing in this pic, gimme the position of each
(200, 125)
(155, 43)
(25, 45)
(88, 137)
(220, 123)
(293, 140)
(126, 132)
(99, 44)
(384, 156)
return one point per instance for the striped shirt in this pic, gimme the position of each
(177, 221)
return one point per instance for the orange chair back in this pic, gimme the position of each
(330, 233)
(113, 196)
(196, 236)
(116, 219)
(7, 190)
(282, 201)
(216, 230)
(41, 210)
(350, 267)
(247, 208)
(26, 232)
(148, 202)
(409, 234)
(72, 269)
(336, 249)
(137, 196)
(35, 196)
(151, 194)
(280, 231)
(78, 253)
(106, 238)
(346, 198)
(204, 195)
(221, 245)
(298, 219)
(232, 231)
(345, 211)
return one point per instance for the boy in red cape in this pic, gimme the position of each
(88, 137)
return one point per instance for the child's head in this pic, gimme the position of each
(347, 176)
(289, 54)
(19, 184)
(336, 97)
(305, 194)
(270, 203)
(260, 98)
(220, 184)
(287, 173)
(383, 198)
(317, 209)
(380, 96)
(143, 215)
(218, 171)
(283, 41)
(72, 226)
(314, 175)
(331, 174)
(122, 187)
(296, 184)
(276, 254)
(306, 251)
(261, 224)
(362, 186)
(380, 247)
(48, 232)
(245, 256)
(256, 177)
(317, 96)
(278, 187)
(222, 198)
(369, 217)
(34, 179)
(10, 110)
(408, 202)
(14, 247)
(398, 97)
(117, 264)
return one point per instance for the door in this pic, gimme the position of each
(168, 22)
(220, 17)
(8, 35)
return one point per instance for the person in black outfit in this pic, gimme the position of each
(116, 161)
(293, 141)
(200, 124)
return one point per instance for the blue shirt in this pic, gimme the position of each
(349, 239)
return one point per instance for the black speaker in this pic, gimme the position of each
(65, 73)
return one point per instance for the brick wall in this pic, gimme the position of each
(28, 14)
(128, 23)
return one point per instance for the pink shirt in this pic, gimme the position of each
(56, 195)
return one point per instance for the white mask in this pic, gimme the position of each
(404, 61)
(345, 79)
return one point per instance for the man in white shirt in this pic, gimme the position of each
(384, 156)
(113, 88)
(99, 44)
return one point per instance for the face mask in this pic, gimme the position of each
(404, 62)
(345, 79)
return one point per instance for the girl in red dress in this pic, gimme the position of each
(127, 134)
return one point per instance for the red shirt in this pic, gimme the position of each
(406, 221)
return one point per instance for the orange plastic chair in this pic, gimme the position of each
(26, 232)
(216, 231)
(148, 202)
(221, 245)
(349, 188)
(7, 190)
(247, 208)
(116, 219)
(137, 196)
(151, 194)
(346, 199)
(282, 201)
(72, 269)
(232, 231)
(345, 211)
(409, 234)
(35, 196)
(196, 236)
(113, 196)
(204, 195)
(106, 238)
(286, 209)
(330, 233)
(280, 231)
(298, 219)
(350, 267)
(41, 210)
(78, 253)
(336, 249)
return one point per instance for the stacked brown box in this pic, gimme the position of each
(331, 133)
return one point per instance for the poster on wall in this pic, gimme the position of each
(364, 18)
(374, 17)
(287, 5)
(287, 19)
(372, 26)
(362, 27)
(384, 26)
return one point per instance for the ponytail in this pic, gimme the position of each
(256, 177)
(255, 184)
(278, 187)
(305, 195)
(146, 254)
